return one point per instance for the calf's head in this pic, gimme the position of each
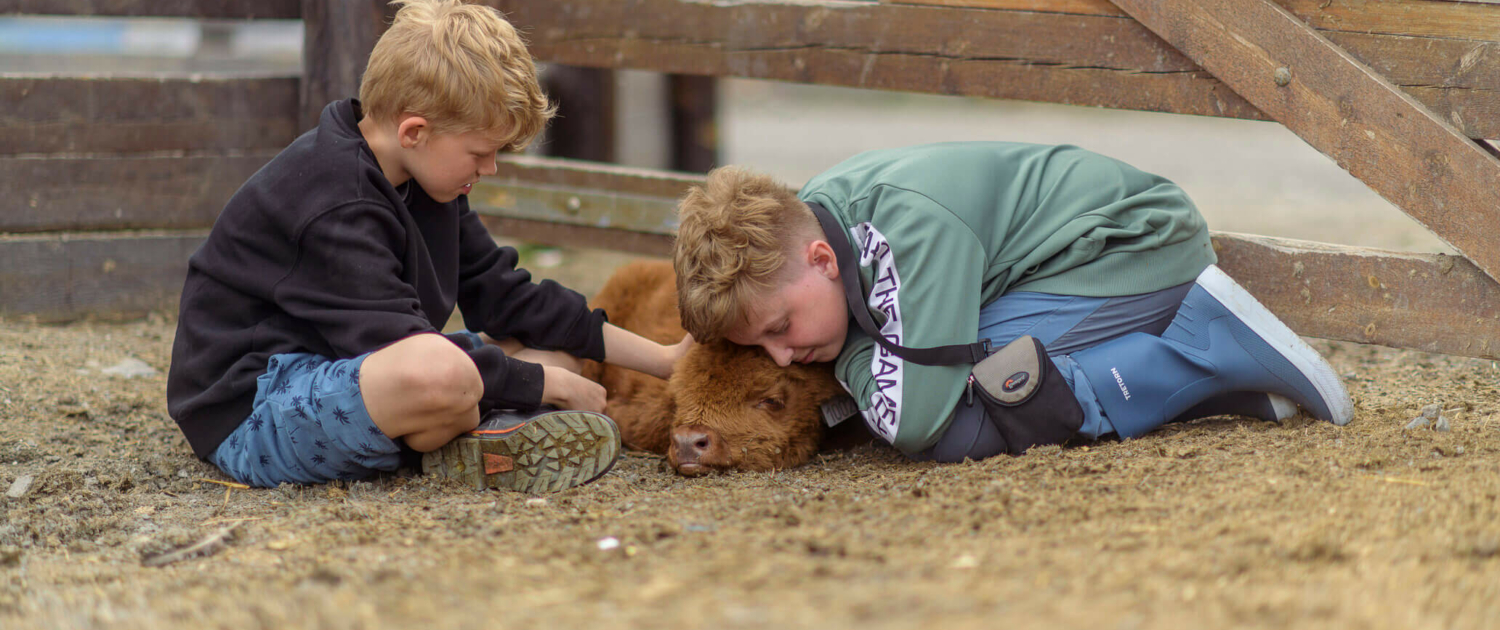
(735, 408)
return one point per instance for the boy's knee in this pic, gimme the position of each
(436, 373)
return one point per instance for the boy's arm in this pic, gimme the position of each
(927, 267)
(502, 301)
(629, 350)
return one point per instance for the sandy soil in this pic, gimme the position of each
(1220, 523)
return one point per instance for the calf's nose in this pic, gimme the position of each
(697, 449)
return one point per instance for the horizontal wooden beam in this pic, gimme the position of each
(1460, 19)
(211, 9)
(1015, 53)
(1429, 302)
(56, 114)
(103, 193)
(572, 235)
(56, 278)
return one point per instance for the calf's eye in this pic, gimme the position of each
(771, 404)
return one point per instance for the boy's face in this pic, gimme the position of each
(447, 165)
(803, 320)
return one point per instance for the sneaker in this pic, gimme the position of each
(546, 452)
(1330, 401)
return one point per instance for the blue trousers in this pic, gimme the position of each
(1064, 324)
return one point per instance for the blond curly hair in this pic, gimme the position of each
(735, 234)
(461, 66)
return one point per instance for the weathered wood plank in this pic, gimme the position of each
(1081, 60)
(608, 178)
(57, 278)
(1415, 42)
(214, 9)
(569, 235)
(1473, 115)
(1463, 19)
(1429, 302)
(1427, 61)
(581, 193)
(1096, 60)
(55, 114)
(582, 204)
(1422, 18)
(1368, 126)
(103, 193)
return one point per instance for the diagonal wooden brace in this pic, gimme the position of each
(1341, 107)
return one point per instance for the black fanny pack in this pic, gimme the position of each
(1022, 391)
(1025, 396)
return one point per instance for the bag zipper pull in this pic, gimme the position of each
(971, 389)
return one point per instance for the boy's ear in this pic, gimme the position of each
(412, 130)
(821, 257)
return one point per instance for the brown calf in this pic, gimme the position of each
(726, 406)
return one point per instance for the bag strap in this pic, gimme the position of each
(849, 271)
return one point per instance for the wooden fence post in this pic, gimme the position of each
(585, 125)
(338, 36)
(693, 102)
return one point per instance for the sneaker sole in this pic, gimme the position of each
(1264, 324)
(550, 453)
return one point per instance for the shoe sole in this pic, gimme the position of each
(1265, 325)
(550, 453)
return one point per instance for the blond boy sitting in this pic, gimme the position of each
(308, 346)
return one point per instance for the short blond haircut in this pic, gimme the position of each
(734, 236)
(461, 66)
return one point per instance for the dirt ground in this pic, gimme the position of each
(1220, 523)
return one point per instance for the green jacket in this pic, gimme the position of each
(944, 229)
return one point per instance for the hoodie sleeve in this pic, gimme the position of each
(925, 267)
(346, 283)
(501, 300)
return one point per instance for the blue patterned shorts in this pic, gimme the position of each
(308, 425)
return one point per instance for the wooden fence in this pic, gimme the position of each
(112, 182)
(109, 184)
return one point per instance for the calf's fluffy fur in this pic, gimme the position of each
(726, 406)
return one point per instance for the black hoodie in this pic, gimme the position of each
(318, 253)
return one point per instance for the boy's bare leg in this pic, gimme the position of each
(555, 358)
(423, 389)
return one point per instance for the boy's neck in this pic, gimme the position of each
(387, 149)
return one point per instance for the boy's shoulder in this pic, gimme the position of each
(331, 155)
(325, 168)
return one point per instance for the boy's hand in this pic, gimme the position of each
(566, 390)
